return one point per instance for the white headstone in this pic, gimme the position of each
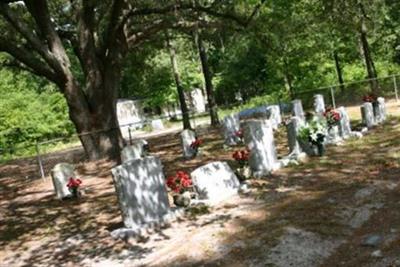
(60, 175)
(275, 116)
(367, 113)
(231, 125)
(215, 181)
(380, 110)
(134, 151)
(157, 125)
(259, 138)
(130, 114)
(292, 131)
(344, 123)
(142, 195)
(333, 136)
(187, 138)
(319, 104)
(198, 101)
(297, 109)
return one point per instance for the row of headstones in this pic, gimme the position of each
(259, 138)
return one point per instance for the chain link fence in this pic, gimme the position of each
(43, 155)
(351, 94)
(48, 153)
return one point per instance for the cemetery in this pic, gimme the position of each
(199, 133)
(288, 195)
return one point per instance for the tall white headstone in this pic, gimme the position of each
(319, 104)
(380, 110)
(259, 138)
(187, 138)
(198, 101)
(344, 123)
(231, 125)
(215, 181)
(142, 195)
(297, 109)
(130, 114)
(292, 131)
(367, 114)
(275, 116)
(60, 175)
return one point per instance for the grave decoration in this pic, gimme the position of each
(73, 186)
(195, 146)
(239, 135)
(371, 98)
(181, 184)
(242, 158)
(332, 117)
(311, 137)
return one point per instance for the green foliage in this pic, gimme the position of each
(30, 109)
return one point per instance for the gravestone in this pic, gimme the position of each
(319, 104)
(275, 116)
(215, 181)
(333, 135)
(380, 110)
(297, 109)
(60, 175)
(344, 123)
(157, 125)
(198, 100)
(292, 130)
(187, 138)
(135, 151)
(259, 138)
(257, 112)
(367, 114)
(231, 125)
(142, 195)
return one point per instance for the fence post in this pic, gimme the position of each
(395, 88)
(39, 159)
(333, 97)
(130, 135)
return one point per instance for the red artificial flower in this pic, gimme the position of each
(74, 183)
(241, 156)
(239, 134)
(196, 143)
(370, 98)
(179, 182)
(332, 116)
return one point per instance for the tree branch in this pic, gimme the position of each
(27, 33)
(27, 58)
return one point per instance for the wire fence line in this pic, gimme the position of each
(346, 94)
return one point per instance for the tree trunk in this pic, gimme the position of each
(95, 121)
(288, 79)
(339, 72)
(208, 81)
(181, 94)
(369, 63)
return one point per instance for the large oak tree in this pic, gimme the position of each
(80, 45)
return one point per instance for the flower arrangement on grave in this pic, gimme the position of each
(242, 158)
(239, 135)
(73, 186)
(312, 135)
(181, 184)
(332, 117)
(195, 145)
(371, 98)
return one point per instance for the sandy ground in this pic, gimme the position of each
(319, 213)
